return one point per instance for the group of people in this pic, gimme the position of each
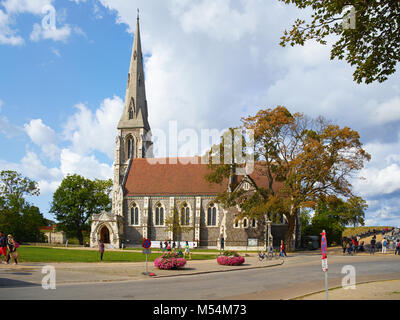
(352, 245)
(8, 248)
(166, 246)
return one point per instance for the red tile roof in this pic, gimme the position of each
(176, 177)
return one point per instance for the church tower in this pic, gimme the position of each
(134, 134)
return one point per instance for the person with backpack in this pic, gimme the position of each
(384, 244)
(3, 247)
(12, 249)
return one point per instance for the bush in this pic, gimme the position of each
(169, 261)
(230, 258)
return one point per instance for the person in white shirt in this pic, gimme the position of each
(384, 244)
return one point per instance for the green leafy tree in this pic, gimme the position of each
(76, 200)
(371, 45)
(322, 220)
(174, 224)
(17, 216)
(307, 159)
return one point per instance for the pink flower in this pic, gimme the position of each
(230, 261)
(169, 261)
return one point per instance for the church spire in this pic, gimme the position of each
(135, 110)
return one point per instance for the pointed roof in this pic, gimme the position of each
(180, 176)
(135, 110)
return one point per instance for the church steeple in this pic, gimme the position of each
(135, 113)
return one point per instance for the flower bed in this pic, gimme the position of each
(230, 258)
(169, 261)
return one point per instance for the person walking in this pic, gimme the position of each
(161, 247)
(12, 249)
(3, 247)
(187, 250)
(282, 249)
(101, 249)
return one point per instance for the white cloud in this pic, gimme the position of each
(379, 181)
(217, 18)
(44, 137)
(90, 131)
(26, 6)
(386, 112)
(78, 1)
(87, 166)
(32, 167)
(6, 128)
(7, 35)
(55, 34)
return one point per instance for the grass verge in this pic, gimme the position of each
(40, 254)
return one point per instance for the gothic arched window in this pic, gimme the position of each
(159, 218)
(212, 215)
(130, 147)
(185, 215)
(131, 109)
(134, 215)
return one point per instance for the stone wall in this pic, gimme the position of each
(235, 236)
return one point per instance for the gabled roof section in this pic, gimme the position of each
(148, 178)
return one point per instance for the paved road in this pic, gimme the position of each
(298, 276)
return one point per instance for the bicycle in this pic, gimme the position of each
(272, 254)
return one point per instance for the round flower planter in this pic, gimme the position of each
(230, 259)
(169, 261)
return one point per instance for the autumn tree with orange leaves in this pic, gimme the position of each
(309, 158)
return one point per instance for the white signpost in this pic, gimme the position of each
(146, 251)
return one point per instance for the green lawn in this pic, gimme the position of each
(40, 254)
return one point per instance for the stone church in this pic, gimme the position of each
(146, 194)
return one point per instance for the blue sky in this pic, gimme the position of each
(208, 63)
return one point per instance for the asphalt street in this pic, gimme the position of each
(298, 276)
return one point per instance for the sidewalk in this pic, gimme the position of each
(377, 290)
(73, 273)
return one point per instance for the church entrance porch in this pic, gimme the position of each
(105, 235)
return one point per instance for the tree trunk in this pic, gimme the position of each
(290, 230)
(80, 237)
